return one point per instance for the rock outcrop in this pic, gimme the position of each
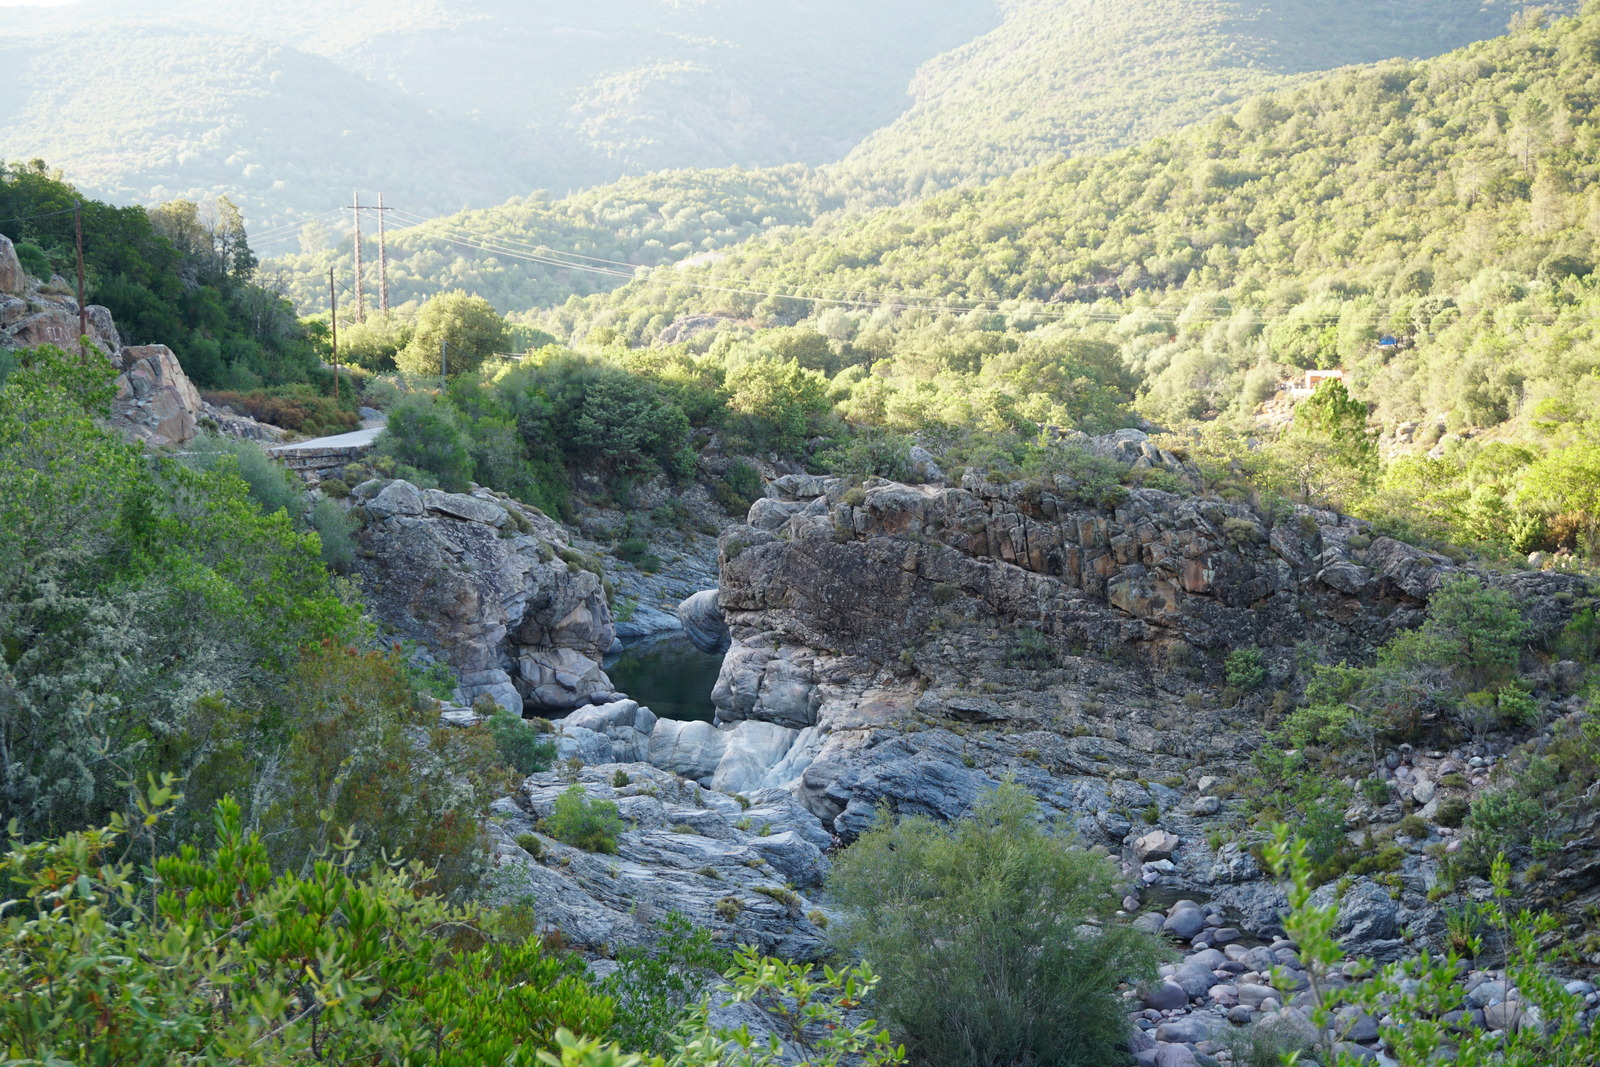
(156, 403)
(479, 580)
(12, 280)
(739, 866)
(925, 639)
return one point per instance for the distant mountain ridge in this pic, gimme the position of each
(448, 102)
(1057, 77)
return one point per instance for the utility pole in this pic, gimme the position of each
(355, 211)
(383, 262)
(333, 319)
(83, 312)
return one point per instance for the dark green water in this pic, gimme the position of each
(668, 675)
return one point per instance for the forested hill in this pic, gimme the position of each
(504, 253)
(1057, 77)
(1451, 203)
(284, 106)
(1073, 76)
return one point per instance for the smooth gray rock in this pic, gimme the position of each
(924, 468)
(1156, 845)
(702, 621)
(1369, 920)
(1175, 1056)
(1168, 996)
(769, 514)
(1195, 979)
(1188, 1029)
(1252, 995)
(598, 899)
(466, 508)
(1184, 924)
(396, 498)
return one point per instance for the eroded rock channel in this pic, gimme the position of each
(911, 646)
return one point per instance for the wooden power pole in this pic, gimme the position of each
(355, 211)
(83, 312)
(333, 320)
(383, 262)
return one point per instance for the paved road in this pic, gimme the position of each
(353, 439)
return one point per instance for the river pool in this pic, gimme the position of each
(667, 674)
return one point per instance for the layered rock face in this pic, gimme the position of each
(155, 403)
(478, 580)
(881, 631)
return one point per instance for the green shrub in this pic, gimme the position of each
(739, 487)
(33, 260)
(977, 928)
(1384, 861)
(531, 844)
(213, 959)
(424, 433)
(620, 778)
(336, 528)
(1245, 669)
(870, 454)
(592, 825)
(523, 748)
(1375, 790)
(655, 987)
(271, 485)
(1452, 812)
(1030, 650)
(636, 550)
(1580, 638)
(728, 908)
(1413, 827)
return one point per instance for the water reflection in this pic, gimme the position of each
(667, 674)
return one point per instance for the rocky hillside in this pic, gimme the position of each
(911, 645)
(156, 404)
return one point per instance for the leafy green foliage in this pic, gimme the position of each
(1415, 995)
(592, 825)
(523, 748)
(739, 487)
(454, 334)
(423, 434)
(655, 989)
(1244, 669)
(130, 588)
(335, 528)
(978, 930)
(210, 957)
(181, 275)
(871, 454)
(271, 486)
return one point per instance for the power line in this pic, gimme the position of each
(669, 275)
(45, 215)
